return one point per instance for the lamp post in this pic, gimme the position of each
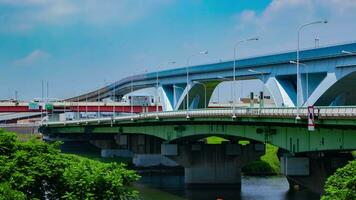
(234, 71)
(86, 105)
(224, 78)
(175, 100)
(78, 114)
(263, 87)
(348, 52)
(157, 83)
(114, 101)
(200, 83)
(188, 85)
(298, 75)
(131, 101)
(99, 114)
(307, 78)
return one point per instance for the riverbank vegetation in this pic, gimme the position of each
(268, 164)
(38, 170)
(342, 184)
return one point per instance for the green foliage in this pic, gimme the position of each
(258, 167)
(267, 165)
(7, 193)
(37, 170)
(215, 140)
(342, 184)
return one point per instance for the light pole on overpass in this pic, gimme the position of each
(263, 86)
(234, 72)
(188, 85)
(232, 88)
(175, 98)
(307, 77)
(298, 74)
(157, 84)
(200, 83)
(348, 52)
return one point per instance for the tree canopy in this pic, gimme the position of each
(38, 170)
(342, 184)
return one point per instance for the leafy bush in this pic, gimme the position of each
(35, 169)
(268, 164)
(342, 184)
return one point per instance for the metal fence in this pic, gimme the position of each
(283, 112)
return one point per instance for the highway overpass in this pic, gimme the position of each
(327, 78)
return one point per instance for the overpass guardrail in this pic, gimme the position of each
(273, 112)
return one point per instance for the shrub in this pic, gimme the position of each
(342, 184)
(35, 169)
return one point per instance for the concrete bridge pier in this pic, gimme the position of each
(311, 170)
(213, 165)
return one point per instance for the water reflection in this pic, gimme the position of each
(253, 188)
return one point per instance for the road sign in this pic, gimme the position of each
(311, 119)
(33, 106)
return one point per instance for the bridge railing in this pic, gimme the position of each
(320, 112)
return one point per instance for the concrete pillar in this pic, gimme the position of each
(212, 165)
(213, 174)
(314, 172)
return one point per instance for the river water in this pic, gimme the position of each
(171, 187)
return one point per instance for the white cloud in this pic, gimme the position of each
(32, 58)
(26, 14)
(277, 25)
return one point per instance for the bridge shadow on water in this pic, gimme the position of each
(252, 188)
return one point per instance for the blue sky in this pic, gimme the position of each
(81, 45)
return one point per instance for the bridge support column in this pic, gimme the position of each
(213, 165)
(311, 170)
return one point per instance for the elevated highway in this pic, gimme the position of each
(327, 78)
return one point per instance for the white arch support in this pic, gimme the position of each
(166, 105)
(325, 84)
(280, 96)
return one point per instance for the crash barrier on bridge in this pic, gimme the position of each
(319, 112)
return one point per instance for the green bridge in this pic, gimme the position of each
(180, 135)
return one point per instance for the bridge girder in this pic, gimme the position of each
(330, 135)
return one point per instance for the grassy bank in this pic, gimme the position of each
(268, 164)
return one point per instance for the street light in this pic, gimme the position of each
(131, 99)
(307, 74)
(188, 85)
(175, 98)
(298, 75)
(348, 52)
(114, 101)
(234, 70)
(263, 82)
(200, 83)
(224, 78)
(171, 62)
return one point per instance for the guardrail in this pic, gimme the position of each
(320, 112)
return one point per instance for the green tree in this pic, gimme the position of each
(342, 184)
(35, 169)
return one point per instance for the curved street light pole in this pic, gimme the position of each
(234, 72)
(200, 83)
(307, 79)
(182, 89)
(298, 74)
(157, 85)
(232, 91)
(263, 86)
(188, 85)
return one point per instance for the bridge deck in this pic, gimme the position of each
(340, 113)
